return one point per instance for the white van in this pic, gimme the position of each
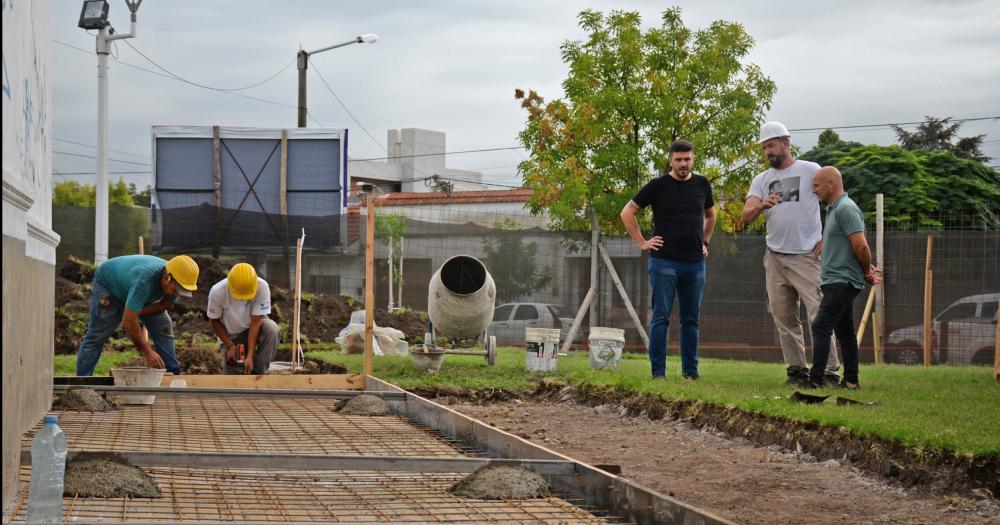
(971, 324)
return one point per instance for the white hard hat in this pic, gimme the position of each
(771, 130)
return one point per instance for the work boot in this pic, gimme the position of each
(797, 376)
(659, 378)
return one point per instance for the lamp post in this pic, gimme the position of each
(303, 64)
(95, 16)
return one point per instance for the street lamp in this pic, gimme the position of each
(94, 15)
(303, 64)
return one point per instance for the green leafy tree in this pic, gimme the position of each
(828, 137)
(920, 187)
(630, 93)
(513, 263)
(391, 229)
(141, 198)
(72, 193)
(942, 135)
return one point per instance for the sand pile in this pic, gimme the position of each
(83, 400)
(501, 482)
(103, 475)
(365, 405)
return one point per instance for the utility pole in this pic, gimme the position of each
(105, 35)
(303, 64)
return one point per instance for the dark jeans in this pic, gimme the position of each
(686, 280)
(835, 315)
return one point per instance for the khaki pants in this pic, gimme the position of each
(791, 278)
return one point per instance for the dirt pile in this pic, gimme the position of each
(365, 405)
(83, 400)
(103, 475)
(77, 271)
(501, 482)
(197, 360)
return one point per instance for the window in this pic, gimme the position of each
(958, 312)
(554, 310)
(989, 313)
(502, 313)
(526, 312)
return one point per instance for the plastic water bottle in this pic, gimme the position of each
(48, 465)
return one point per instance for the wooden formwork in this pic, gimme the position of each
(253, 455)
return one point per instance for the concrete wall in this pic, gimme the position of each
(28, 240)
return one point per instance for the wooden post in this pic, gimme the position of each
(399, 296)
(878, 318)
(864, 316)
(217, 186)
(595, 239)
(142, 246)
(996, 353)
(297, 304)
(928, 279)
(578, 319)
(621, 291)
(391, 244)
(283, 196)
(369, 282)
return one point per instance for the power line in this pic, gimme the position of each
(890, 124)
(341, 102)
(109, 173)
(91, 146)
(182, 79)
(94, 157)
(515, 148)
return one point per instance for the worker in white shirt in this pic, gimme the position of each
(237, 309)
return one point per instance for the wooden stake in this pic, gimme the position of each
(142, 246)
(217, 187)
(584, 306)
(878, 318)
(877, 337)
(864, 316)
(928, 279)
(369, 283)
(996, 352)
(283, 197)
(297, 305)
(623, 293)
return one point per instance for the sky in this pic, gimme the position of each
(453, 65)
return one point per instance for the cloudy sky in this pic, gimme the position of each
(453, 65)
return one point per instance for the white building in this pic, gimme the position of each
(414, 156)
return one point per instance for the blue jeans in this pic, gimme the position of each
(686, 280)
(105, 318)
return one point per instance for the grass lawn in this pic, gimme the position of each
(955, 408)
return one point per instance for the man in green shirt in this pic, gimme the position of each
(846, 267)
(135, 289)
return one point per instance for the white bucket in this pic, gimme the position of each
(606, 346)
(427, 359)
(541, 349)
(137, 377)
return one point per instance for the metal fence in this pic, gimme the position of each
(543, 276)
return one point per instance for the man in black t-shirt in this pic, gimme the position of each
(683, 221)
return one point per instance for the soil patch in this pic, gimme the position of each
(197, 360)
(732, 477)
(365, 405)
(103, 475)
(75, 270)
(501, 482)
(937, 471)
(83, 400)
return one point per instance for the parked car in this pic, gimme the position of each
(510, 320)
(971, 334)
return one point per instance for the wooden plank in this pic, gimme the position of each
(928, 279)
(289, 381)
(548, 467)
(996, 353)
(864, 316)
(283, 393)
(283, 196)
(623, 293)
(578, 319)
(369, 283)
(297, 304)
(217, 186)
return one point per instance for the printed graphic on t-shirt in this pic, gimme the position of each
(788, 188)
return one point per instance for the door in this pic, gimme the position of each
(500, 327)
(525, 316)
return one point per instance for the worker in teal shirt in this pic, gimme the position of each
(135, 289)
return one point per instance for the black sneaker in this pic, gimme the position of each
(690, 377)
(848, 386)
(811, 384)
(659, 378)
(831, 380)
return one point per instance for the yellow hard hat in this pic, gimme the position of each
(243, 282)
(185, 271)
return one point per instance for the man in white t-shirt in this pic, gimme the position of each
(237, 309)
(794, 242)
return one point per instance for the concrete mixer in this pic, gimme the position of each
(460, 301)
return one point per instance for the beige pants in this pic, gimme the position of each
(791, 278)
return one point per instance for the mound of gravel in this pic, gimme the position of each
(365, 405)
(103, 475)
(501, 482)
(83, 400)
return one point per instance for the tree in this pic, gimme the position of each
(72, 193)
(827, 138)
(141, 198)
(920, 187)
(513, 263)
(391, 229)
(629, 94)
(939, 135)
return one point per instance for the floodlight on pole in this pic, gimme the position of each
(94, 15)
(303, 65)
